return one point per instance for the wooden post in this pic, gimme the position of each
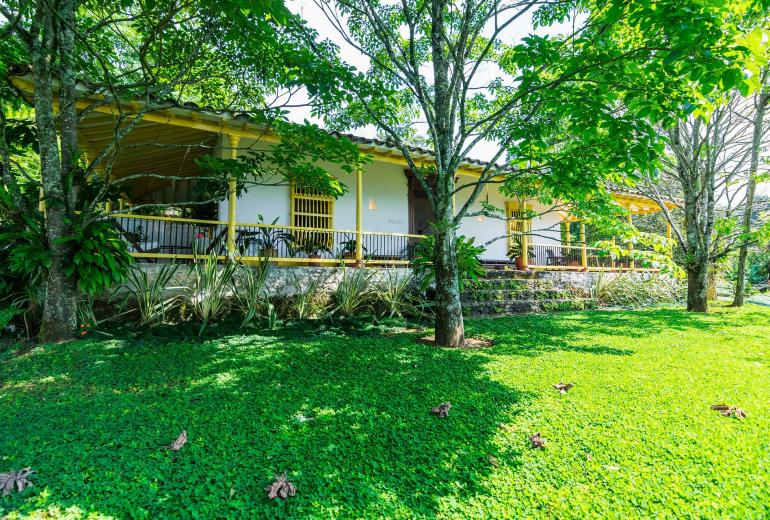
(583, 250)
(231, 196)
(41, 201)
(631, 262)
(359, 216)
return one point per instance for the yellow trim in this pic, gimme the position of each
(522, 226)
(232, 188)
(359, 215)
(316, 209)
(631, 262)
(172, 219)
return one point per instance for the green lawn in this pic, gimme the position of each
(348, 416)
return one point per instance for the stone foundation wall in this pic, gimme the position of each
(583, 280)
(281, 279)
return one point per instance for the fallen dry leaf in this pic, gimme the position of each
(563, 387)
(442, 410)
(15, 479)
(179, 442)
(281, 488)
(537, 441)
(728, 411)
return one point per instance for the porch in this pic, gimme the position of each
(162, 238)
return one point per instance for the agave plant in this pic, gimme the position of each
(149, 295)
(396, 296)
(249, 289)
(354, 292)
(211, 284)
(306, 300)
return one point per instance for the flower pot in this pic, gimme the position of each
(267, 252)
(520, 265)
(314, 261)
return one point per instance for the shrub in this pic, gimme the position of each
(468, 261)
(636, 291)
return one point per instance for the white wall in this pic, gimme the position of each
(489, 230)
(385, 185)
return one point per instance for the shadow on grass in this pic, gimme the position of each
(532, 335)
(347, 416)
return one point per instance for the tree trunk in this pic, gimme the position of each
(697, 287)
(450, 329)
(60, 308)
(756, 142)
(59, 320)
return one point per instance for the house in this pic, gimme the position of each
(379, 220)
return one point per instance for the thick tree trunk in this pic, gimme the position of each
(59, 320)
(450, 329)
(697, 287)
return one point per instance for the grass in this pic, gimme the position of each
(347, 415)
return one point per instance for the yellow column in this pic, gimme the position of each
(631, 262)
(41, 200)
(612, 256)
(359, 216)
(583, 250)
(524, 244)
(108, 204)
(231, 197)
(568, 238)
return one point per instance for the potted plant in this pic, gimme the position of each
(516, 254)
(313, 250)
(269, 238)
(348, 249)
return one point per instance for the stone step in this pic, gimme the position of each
(502, 295)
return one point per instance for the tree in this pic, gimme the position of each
(570, 104)
(84, 55)
(710, 168)
(759, 130)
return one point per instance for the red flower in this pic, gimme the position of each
(199, 235)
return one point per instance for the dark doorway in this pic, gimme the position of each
(420, 209)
